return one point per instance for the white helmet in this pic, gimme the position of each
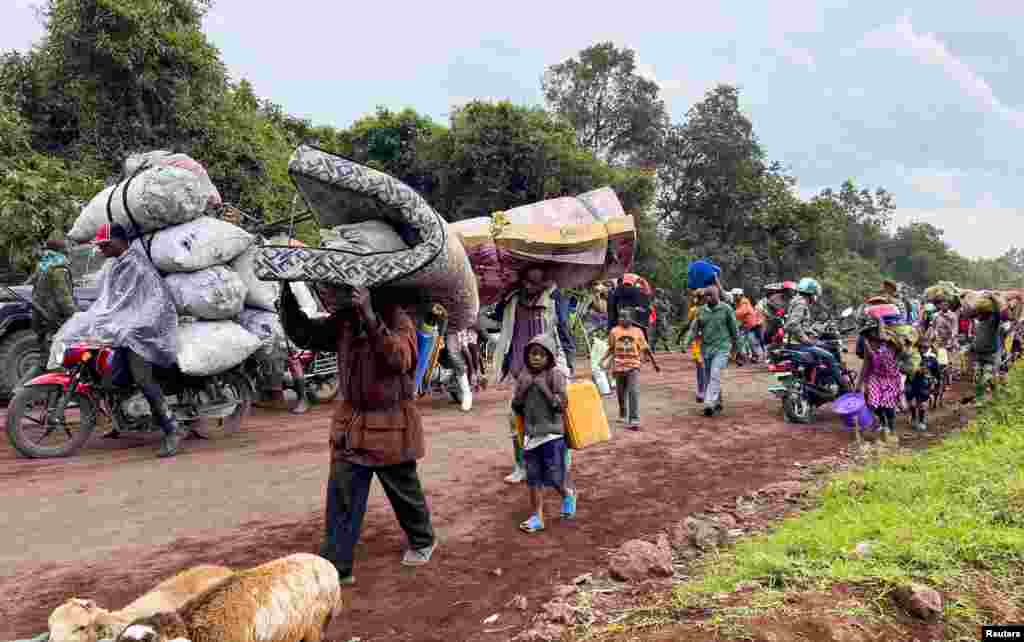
(736, 291)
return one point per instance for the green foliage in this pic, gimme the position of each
(115, 76)
(38, 193)
(615, 112)
(931, 514)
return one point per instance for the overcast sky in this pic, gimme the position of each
(917, 97)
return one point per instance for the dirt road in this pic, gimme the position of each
(114, 520)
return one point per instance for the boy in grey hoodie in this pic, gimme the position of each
(540, 400)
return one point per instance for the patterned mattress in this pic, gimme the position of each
(429, 264)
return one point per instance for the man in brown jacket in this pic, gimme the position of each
(376, 426)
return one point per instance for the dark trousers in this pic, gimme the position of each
(627, 389)
(347, 491)
(142, 373)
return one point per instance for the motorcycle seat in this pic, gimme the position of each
(802, 358)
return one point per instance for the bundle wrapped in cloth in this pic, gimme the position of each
(577, 240)
(378, 233)
(975, 302)
(943, 291)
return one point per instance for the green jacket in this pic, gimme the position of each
(52, 291)
(716, 327)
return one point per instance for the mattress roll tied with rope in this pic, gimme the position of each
(376, 232)
(576, 240)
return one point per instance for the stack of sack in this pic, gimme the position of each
(207, 264)
(577, 240)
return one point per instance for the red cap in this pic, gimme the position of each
(103, 235)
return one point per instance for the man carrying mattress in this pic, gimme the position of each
(376, 428)
(112, 241)
(534, 308)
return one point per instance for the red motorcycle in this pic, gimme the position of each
(320, 370)
(62, 408)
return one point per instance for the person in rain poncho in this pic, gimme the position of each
(136, 313)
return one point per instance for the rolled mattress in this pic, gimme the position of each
(431, 265)
(577, 240)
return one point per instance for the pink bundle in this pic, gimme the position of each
(576, 240)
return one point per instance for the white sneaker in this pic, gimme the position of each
(465, 393)
(518, 476)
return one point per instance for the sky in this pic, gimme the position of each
(917, 97)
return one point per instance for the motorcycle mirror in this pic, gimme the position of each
(847, 312)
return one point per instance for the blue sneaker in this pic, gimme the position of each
(569, 505)
(532, 525)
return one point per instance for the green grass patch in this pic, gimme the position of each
(928, 515)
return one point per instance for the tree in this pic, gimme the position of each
(710, 171)
(116, 76)
(615, 112)
(865, 215)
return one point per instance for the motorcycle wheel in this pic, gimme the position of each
(324, 391)
(797, 409)
(78, 422)
(236, 387)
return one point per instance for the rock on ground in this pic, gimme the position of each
(637, 560)
(919, 600)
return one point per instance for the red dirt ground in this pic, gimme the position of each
(114, 520)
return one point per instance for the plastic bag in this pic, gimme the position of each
(198, 245)
(158, 197)
(57, 348)
(212, 347)
(264, 325)
(214, 293)
(261, 294)
(169, 159)
(134, 309)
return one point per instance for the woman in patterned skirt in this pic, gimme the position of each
(880, 378)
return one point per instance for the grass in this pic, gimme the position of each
(931, 516)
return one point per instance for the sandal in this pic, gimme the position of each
(532, 525)
(569, 505)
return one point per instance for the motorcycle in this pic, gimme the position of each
(805, 380)
(69, 403)
(319, 371)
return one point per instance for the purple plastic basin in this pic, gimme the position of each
(854, 410)
(849, 404)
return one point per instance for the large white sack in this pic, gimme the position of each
(261, 294)
(158, 197)
(184, 161)
(265, 325)
(212, 347)
(213, 294)
(198, 244)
